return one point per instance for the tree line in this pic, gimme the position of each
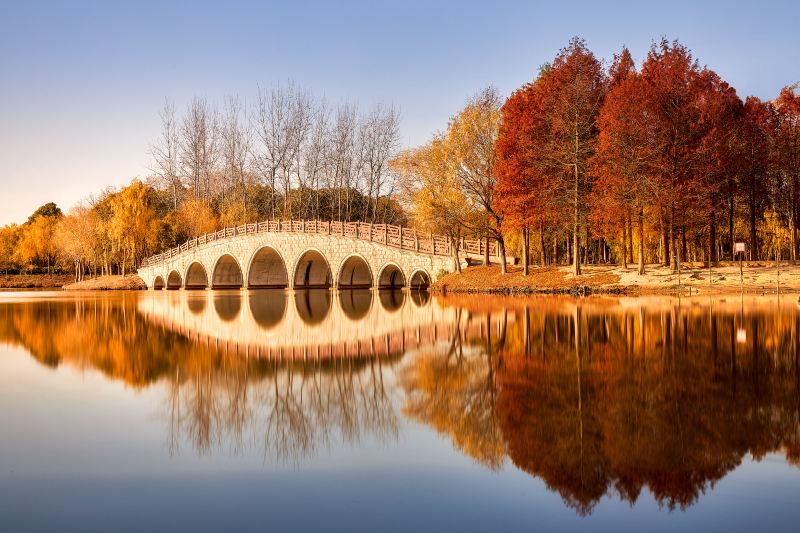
(613, 163)
(288, 155)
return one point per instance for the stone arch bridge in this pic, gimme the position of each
(308, 254)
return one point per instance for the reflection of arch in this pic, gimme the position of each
(196, 277)
(312, 271)
(268, 307)
(227, 305)
(354, 273)
(420, 280)
(158, 283)
(355, 303)
(174, 281)
(196, 303)
(420, 297)
(391, 276)
(392, 299)
(267, 269)
(313, 305)
(227, 273)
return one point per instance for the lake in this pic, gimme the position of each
(397, 411)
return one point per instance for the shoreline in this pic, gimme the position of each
(615, 280)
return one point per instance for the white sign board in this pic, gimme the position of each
(739, 247)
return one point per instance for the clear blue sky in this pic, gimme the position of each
(81, 83)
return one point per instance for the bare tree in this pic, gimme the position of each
(378, 142)
(235, 147)
(199, 146)
(315, 155)
(165, 152)
(344, 162)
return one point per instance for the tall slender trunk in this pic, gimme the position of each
(526, 250)
(541, 244)
(576, 252)
(753, 234)
(624, 244)
(630, 237)
(712, 238)
(730, 223)
(641, 240)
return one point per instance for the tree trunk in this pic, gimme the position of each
(624, 244)
(455, 243)
(712, 238)
(730, 223)
(541, 244)
(501, 245)
(630, 237)
(576, 258)
(753, 234)
(525, 249)
(486, 252)
(641, 241)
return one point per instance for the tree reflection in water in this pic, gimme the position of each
(596, 396)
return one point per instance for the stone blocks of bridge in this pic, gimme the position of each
(295, 260)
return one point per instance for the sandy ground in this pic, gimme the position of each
(130, 282)
(33, 281)
(694, 279)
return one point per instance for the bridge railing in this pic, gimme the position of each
(387, 234)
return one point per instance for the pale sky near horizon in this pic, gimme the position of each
(81, 83)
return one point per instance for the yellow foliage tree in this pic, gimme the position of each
(196, 217)
(37, 243)
(77, 238)
(430, 184)
(132, 226)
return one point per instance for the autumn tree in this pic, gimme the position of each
(573, 92)
(471, 140)
(787, 155)
(77, 238)
(132, 224)
(524, 191)
(430, 185)
(625, 156)
(37, 242)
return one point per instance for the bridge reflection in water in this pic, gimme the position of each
(596, 397)
(302, 324)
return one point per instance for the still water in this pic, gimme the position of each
(397, 411)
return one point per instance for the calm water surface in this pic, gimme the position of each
(397, 411)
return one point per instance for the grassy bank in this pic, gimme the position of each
(108, 283)
(694, 278)
(34, 281)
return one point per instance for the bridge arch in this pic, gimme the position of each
(420, 279)
(158, 283)
(267, 269)
(174, 280)
(391, 277)
(196, 277)
(226, 274)
(312, 270)
(354, 272)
